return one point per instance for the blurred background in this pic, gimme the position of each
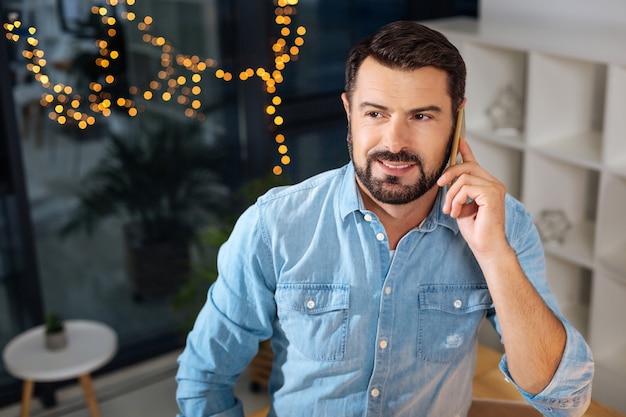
(135, 132)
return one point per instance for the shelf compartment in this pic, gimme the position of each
(607, 337)
(608, 380)
(514, 141)
(615, 122)
(551, 184)
(582, 149)
(571, 285)
(500, 68)
(611, 234)
(500, 161)
(577, 245)
(565, 106)
(608, 310)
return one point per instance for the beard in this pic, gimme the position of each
(389, 189)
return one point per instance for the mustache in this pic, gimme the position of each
(402, 156)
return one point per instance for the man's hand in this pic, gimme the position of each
(476, 199)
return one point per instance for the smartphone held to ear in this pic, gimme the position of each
(459, 132)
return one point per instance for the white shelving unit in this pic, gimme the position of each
(569, 155)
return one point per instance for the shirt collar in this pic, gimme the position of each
(350, 201)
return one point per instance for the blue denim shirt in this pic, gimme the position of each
(355, 330)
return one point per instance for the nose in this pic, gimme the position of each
(397, 135)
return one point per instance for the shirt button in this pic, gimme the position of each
(368, 217)
(387, 290)
(380, 236)
(310, 304)
(383, 344)
(375, 392)
(458, 303)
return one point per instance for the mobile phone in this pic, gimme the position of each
(458, 132)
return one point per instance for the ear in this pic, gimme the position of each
(462, 105)
(346, 105)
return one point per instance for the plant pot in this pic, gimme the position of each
(156, 268)
(56, 341)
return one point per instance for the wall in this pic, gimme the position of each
(606, 13)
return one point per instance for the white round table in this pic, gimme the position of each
(90, 345)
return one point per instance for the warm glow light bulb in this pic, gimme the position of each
(99, 101)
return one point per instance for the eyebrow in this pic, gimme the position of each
(431, 108)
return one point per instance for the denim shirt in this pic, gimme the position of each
(355, 331)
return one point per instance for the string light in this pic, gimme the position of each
(181, 89)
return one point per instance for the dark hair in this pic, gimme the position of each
(408, 46)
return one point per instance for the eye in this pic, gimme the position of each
(422, 116)
(373, 114)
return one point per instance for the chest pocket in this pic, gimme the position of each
(314, 318)
(449, 317)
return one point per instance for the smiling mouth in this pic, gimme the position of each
(396, 166)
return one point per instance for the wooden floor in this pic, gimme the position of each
(494, 396)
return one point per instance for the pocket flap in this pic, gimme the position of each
(313, 298)
(456, 299)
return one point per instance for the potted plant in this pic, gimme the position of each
(164, 183)
(55, 336)
(192, 296)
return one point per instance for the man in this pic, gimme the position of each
(372, 280)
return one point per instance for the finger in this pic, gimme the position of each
(452, 172)
(465, 190)
(466, 151)
(463, 199)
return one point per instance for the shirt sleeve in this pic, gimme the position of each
(569, 392)
(237, 315)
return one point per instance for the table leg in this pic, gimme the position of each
(27, 395)
(90, 396)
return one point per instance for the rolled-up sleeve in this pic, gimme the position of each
(569, 392)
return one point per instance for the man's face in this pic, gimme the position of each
(400, 126)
